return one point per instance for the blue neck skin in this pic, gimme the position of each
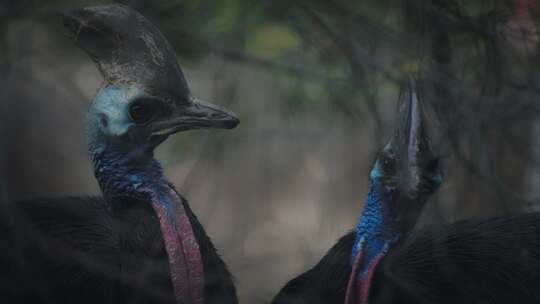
(377, 227)
(119, 176)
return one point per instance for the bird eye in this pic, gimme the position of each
(387, 163)
(142, 111)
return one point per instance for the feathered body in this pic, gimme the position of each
(384, 260)
(140, 242)
(97, 250)
(476, 261)
(90, 250)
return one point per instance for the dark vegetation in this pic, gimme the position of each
(314, 82)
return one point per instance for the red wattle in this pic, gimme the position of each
(358, 290)
(365, 282)
(185, 261)
(191, 250)
(351, 285)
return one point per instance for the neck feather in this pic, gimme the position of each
(118, 176)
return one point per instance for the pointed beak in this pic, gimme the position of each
(111, 35)
(423, 167)
(412, 129)
(410, 145)
(202, 114)
(197, 114)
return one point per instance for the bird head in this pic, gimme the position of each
(407, 165)
(145, 97)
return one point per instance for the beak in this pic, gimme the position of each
(196, 115)
(424, 171)
(410, 144)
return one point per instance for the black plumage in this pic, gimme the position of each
(80, 250)
(140, 242)
(476, 261)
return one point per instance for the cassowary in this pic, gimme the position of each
(140, 242)
(385, 260)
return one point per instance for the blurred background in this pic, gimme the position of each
(315, 83)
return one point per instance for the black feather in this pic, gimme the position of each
(481, 261)
(78, 250)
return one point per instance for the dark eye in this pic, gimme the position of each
(142, 110)
(387, 163)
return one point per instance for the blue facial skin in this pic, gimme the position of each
(376, 228)
(117, 172)
(108, 118)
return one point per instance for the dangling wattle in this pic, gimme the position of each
(117, 176)
(375, 232)
(403, 176)
(185, 261)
